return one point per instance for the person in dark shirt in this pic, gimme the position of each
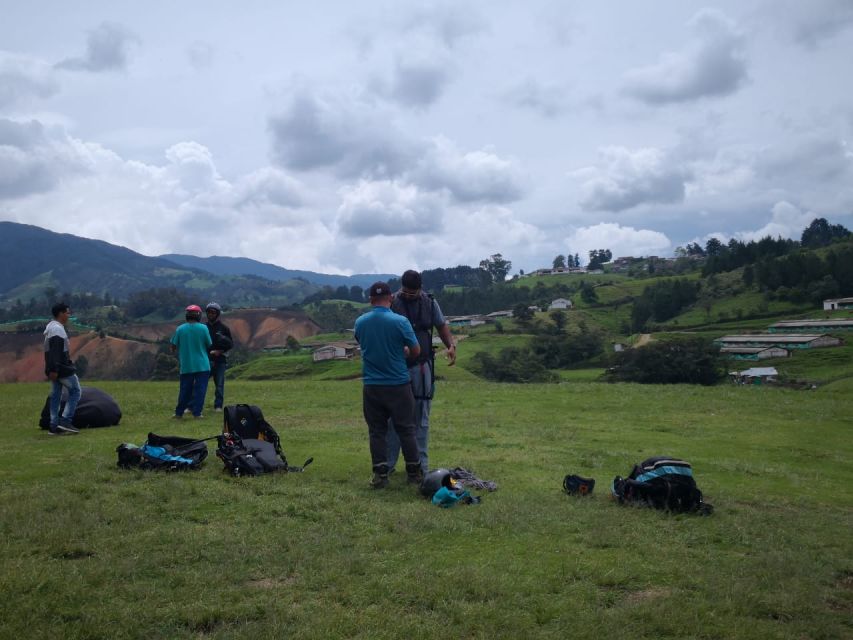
(220, 335)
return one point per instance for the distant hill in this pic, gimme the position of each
(35, 260)
(40, 258)
(225, 266)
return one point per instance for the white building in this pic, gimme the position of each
(560, 303)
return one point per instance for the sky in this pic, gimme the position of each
(362, 137)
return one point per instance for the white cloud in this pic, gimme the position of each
(713, 66)
(472, 176)
(388, 208)
(787, 221)
(621, 241)
(624, 179)
(107, 49)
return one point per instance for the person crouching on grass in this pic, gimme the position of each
(191, 342)
(386, 340)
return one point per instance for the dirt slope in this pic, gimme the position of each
(111, 358)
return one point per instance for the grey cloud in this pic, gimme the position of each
(200, 55)
(352, 137)
(23, 78)
(714, 66)
(107, 49)
(31, 161)
(449, 22)
(627, 179)
(268, 187)
(419, 83)
(549, 101)
(810, 23)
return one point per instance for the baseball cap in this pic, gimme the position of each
(378, 289)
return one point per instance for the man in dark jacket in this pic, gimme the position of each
(424, 314)
(220, 335)
(59, 368)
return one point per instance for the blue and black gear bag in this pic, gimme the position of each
(163, 453)
(662, 482)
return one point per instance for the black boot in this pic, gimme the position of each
(414, 473)
(380, 476)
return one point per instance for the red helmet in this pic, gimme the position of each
(194, 308)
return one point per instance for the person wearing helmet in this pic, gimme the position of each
(191, 342)
(220, 335)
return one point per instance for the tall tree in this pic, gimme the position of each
(560, 262)
(496, 267)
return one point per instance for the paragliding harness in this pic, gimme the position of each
(662, 483)
(163, 453)
(418, 324)
(249, 446)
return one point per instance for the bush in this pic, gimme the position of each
(690, 361)
(512, 364)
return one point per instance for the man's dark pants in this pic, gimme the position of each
(379, 403)
(191, 392)
(217, 372)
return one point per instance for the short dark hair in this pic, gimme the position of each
(58, 308)
(411, 279)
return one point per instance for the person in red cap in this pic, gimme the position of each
(192, 342)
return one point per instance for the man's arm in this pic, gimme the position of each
(447, 339)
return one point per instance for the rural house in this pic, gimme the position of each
(788, 341)
(560, 303)
(837, 303)
(754, 353)
(756, 375)
(811, 326)
(334, 351)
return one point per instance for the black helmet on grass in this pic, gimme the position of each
(435, 480)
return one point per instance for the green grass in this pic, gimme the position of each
(91, 551)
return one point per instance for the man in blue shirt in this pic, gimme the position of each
(191, 342)
(386, 340)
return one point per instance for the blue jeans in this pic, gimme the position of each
(191, 392)
(421, 378)
(72, 383)
(217, 372)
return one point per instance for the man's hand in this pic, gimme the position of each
(451, 355)
(53, 375)
(215, 353)
(405, 351)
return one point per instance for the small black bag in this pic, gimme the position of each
(662, 482)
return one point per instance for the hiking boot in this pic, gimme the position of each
(379, 481)
(414, 473)
(218, 409)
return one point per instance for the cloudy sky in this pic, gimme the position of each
(377, 136)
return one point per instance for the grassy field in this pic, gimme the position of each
(92, 551)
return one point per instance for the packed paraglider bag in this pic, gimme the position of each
(662, 482)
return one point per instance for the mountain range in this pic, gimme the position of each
(35, 260)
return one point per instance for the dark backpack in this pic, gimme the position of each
(662, 482)
(249, 446)
(163, 453)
